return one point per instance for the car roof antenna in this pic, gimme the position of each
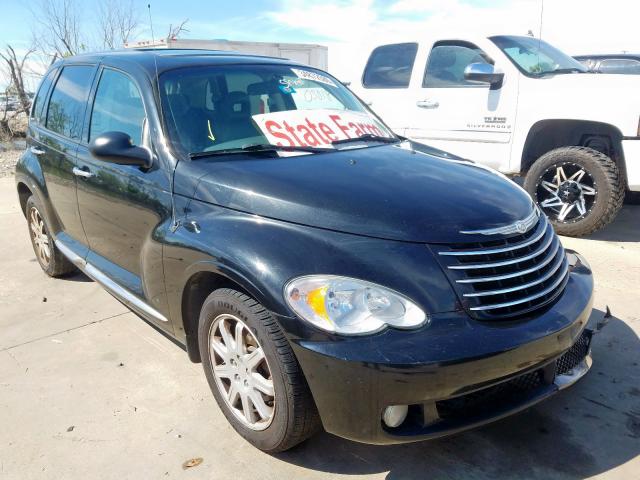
(174, 219)
(540, 31)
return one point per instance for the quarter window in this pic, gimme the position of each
(390, 66)
(447, 62)
(39, 102)
(117, 107)
(65, 114)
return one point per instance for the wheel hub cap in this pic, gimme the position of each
(39, 237)
(570, 192)
(566, 192)
(241, 372)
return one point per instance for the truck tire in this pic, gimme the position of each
(51, 260)
(253, 373)
(578, 188)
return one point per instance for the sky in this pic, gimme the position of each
(575, 26)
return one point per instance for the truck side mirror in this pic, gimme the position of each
(117, 147)
(483, 73)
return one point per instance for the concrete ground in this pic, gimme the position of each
(89, 391)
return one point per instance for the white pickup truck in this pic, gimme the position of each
(521, 106)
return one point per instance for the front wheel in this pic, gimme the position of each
(578, 188)
(253, 373)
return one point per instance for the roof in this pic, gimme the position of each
(150, 59)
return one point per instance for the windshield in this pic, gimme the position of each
(226, 107)
(536, 57)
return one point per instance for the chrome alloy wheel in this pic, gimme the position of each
(241, 372)
(566, 192)
(39, 237)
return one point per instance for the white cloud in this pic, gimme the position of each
(342, 20)
(576, 26)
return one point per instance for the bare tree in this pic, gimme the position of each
(56, 27)
(16, 69)
(13, 68)
(174, 32)
(117, 22)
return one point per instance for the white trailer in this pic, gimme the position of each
(309, 54)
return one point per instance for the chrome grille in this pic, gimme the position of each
(508, 278)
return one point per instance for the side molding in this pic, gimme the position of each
(112, 287)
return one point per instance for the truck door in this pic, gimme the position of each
(471, 120)
(385, 84)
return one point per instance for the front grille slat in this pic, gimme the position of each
(517, 246)
(526, 299)
(502, 263)
(509, 277)
(544, 278)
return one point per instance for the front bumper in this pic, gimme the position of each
(631, 149)
(442, 366)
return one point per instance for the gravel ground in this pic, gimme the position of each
(8, 159)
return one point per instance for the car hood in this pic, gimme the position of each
(589, 87)
(392, 192)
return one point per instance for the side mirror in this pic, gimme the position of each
(483, 73)
(117, 147)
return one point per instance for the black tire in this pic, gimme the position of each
(295, 416)
(606, 182)
(56, 264)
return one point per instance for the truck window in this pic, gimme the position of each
(620, 65)
(390, 66)
(117, 107)
(65, 114)
(39, 102)
(446, 64)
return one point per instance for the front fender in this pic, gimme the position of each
(261, 255)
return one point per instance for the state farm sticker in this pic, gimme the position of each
(316, 128)
(313, 76)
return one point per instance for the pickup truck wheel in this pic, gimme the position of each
(578, 188)
(51, 260)
(253, 373)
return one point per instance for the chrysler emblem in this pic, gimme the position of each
(521, 227)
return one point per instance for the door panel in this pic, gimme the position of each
(56, 143)
(123, 208)
(467, 119)
(385, 83)
(57, 162)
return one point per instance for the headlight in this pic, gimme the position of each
(349, 306)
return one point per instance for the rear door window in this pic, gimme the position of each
(390, 66)
(117, 107)
(447, 62)
(39, 102)
(65, 114)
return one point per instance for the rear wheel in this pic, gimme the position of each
(253, 373)
(578, 188)
(51, 260)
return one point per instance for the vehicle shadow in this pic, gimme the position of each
(586, 430)
(77, 276)
(625, 228)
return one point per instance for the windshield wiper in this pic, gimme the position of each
(563, 70)
(259, 147)
(367, 137)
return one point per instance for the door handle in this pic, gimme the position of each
(428, 103)
(80, 172)
(36, 151)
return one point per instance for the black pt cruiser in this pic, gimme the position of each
(325, 271)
